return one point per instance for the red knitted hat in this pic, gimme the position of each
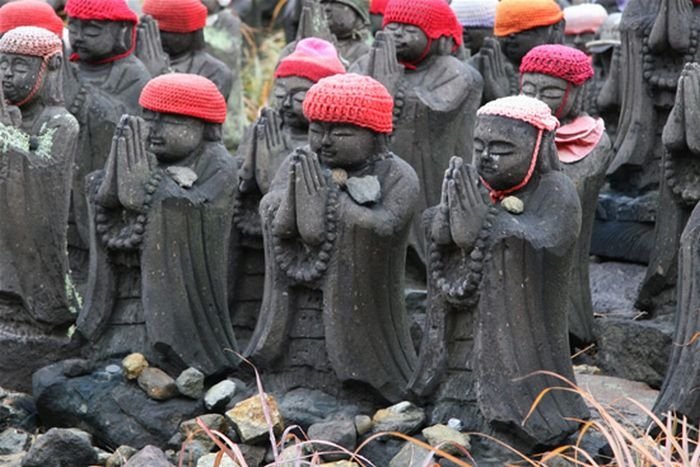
(30, 13)
(101, 10)
(312, 59)
(184, 94)
(514, 16)
(377, 7)
(181, 16)
(434, 17)
(350, 98)
(559, 61)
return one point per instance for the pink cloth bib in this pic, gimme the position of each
(578, 138)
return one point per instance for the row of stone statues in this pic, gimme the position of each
(293, 251)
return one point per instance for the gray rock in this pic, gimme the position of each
(403, 417)
(157, 384)
(102, 456)
(364, 190)
(113, 408)
(208, 461)
(410, 455)
(184, 176)
(634, 350)
(190, 383)
(304, 407)
(12, 460)
(363, 424)
(250, 420)
(253, 455)
(120, 456)
(61, 448)
(340, 432)
(455, 424)
(194, 450)
(219, 395)
(190, 430)
(13, 441)
(150, 456)
(17, 410)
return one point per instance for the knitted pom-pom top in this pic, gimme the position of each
(30, 13)
(101, 10)
(514, 16)
(31, 40)
(312, 59)
(350, 98)
(184, 94)
(587, 17)
(559, 61)
(523, 108)
(181, 16)
(475, 13)
(434, 17)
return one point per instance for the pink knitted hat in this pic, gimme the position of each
(180, 16)
(587, 17)
(184, 94)
(350, 98)
(377, 7)
(523, 108)
(31, 40)
(560, 61)
(30, 13)
(434, 17)
(475, 13)
(101, 10)
(312, 59)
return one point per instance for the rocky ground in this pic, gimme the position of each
(130, 408)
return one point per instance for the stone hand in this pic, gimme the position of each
(149, 49)
(467, 208)
(691, 87)
(492, 64)
(311, 197)
(313, 22)
(270, 144)
(108, 192)
(134, 163)
(440, 228)
(383, 64)
(285, 222)
(10, 115)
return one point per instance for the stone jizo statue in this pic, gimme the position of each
(477, 20)
(557, 75)
(160, 223)
(335, 223)
(502, 242)
(582, 23)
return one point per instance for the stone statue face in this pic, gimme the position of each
(515, 46)
(502, 150)
(175, 43)
(96, 40)
(474, 37)
(342, 19)
(19, 74)
(550, 90)
(579, 41)
(173, 138)
(290, 93)
(342, 145)
(411, 41)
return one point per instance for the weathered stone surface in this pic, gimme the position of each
(102, 456)
(304, 407)
(446, 438)
(190, 430)
(219, 395)
(17, 410)
(410, 455)
(381, 451)
(209, 459)
(61, 448)
(340, 432)
(150, 456)
(635, 350)
(191, 451)
(363, 424)
(253, 455)
(403, 417)
(116, 411)
(157, 384)
(120, 456)
(133, 364)
(190, 383)
(13, 441)
(12, 460)
(248, 418)
(364, 190)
